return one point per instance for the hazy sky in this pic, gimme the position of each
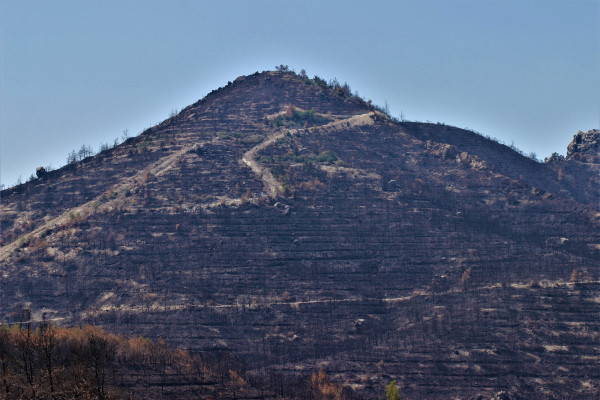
(80, 72)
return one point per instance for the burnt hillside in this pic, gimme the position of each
(286, 221)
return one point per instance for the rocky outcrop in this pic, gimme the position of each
(585, 147)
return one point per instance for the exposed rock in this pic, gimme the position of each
(557, 242)
(502, 395)
(585, 146)
(284, 208)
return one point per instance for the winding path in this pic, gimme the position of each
(272, 186)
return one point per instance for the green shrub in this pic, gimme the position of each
(296, 117)
(320, 82)
(327, 156)
(392, 392)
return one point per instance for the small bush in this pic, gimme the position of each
(294, 117)
(327, 156)
(23, 242)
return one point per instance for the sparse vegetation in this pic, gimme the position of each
(554, 157)
(45, 361)
(282, 68)
(295, 117)
(229, 135)
(417, 260)
(324, 388)
(326, 157)
(392, 392)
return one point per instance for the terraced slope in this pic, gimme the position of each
(298, 226)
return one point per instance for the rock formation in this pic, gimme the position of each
(585, 146)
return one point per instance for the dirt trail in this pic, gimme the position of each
(262, 304)
(272, 186)
(166, 163)
(157, 168)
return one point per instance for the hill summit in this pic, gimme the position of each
(299, 227)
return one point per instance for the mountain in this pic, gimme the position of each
(290, 223)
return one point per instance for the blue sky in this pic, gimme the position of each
(81, 72)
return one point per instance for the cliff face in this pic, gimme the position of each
(294, 224)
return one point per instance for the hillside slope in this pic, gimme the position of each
(293, 224)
